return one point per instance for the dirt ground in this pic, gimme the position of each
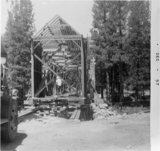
(49, 133)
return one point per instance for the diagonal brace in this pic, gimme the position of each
(44, 87)
(68, 63)
(76, 44)
(52, 70)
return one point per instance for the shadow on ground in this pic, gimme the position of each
(29, 118)
(13, 145)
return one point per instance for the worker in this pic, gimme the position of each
(59, 84)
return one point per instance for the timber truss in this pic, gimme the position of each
(61, 51)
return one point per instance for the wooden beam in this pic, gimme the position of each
(74, 114)
(44, 87)
(60, 56)
(32, 67)
(60, 37)
(73, 58)
(39, 42)
(78, 114)
(76, 44)
(45, 27)
(83, 68)
(4, 120)
(68, 63)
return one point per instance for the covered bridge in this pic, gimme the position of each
(58, 57)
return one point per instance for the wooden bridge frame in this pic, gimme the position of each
(83, 50)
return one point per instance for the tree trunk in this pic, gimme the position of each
(121, 82)
(120, 63)
(112, 85)
(102, 92)
(137, 78)
(107, 87)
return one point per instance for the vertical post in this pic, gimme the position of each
(83, 68)
(32, 67)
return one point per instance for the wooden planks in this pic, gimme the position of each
(4, 120)
(73, 114)
(76, 114)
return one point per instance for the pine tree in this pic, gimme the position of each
(121, 33)
(109, 33)
(139, 45)
(100, 51)
(19, 30)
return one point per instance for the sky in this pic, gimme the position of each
(78, 13)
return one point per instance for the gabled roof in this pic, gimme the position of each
(56, 33)
(57, 26)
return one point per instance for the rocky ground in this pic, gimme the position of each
(118, 132)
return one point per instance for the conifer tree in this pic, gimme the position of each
(139, 45)
(19, 30)
(109, 33)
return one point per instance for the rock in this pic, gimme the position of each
(103, 106)
(93, 106)
(76, 120)
(119, 116)
(129, 147)
(41, 114)
(124, 114)
(100, 117)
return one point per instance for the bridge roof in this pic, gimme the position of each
(55, 36)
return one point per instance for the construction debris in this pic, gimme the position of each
(102, 111)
